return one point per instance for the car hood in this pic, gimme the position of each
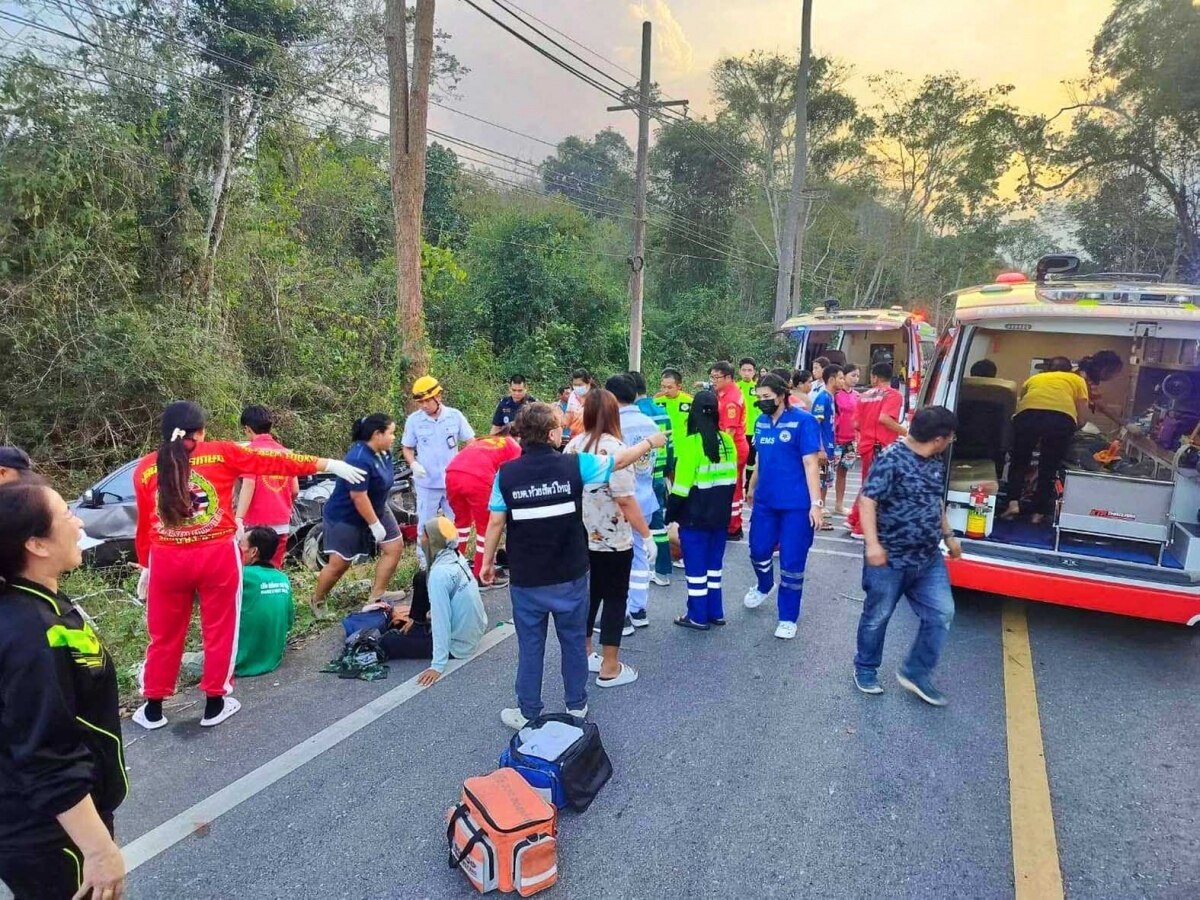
(111, 522)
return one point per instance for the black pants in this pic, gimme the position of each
(609, 585)
(418, 642)
(751, 460)
(1049, 432)
(53, 873)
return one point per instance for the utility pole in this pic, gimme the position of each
(637, 260)
(789, 251)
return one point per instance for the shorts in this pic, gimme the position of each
(352, 541)
(826, 474)
(845, 455)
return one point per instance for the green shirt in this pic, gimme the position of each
(267, 615)
(752, 410)
(677, 408)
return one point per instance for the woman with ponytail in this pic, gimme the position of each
(786, 494)
(187, 547)
(701, 501)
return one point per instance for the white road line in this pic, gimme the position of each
(174, 830)
(835, 553)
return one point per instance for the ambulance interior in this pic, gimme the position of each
(1129, 488)
(863, 348)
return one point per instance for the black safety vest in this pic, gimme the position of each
(547, 543)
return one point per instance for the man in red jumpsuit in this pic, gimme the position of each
(731, 411)
(878, 425)
(469, 480)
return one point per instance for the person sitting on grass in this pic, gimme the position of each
(268, 611)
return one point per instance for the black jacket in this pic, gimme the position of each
(60, 730)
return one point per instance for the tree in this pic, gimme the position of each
(1119, 227)
(444, 223)
(789, 255)
(594, 175)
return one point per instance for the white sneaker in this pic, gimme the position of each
(785, 630)
(578, 713)
(660, 580)
(594, 661)
(513, 719)
(677, 563)
(139, 718)
(754, 598)
(230, 707)
(627, 675)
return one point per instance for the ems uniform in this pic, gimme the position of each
(700, 501)
(198, 557)
(541, 495)
(731, 416)
(663, 462)
(435, 440)
(782, 505)
(469, 479)
(637, 426)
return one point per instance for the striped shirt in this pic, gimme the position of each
(659, 416)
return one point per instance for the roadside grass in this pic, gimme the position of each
(108, 597)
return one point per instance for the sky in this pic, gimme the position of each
(1030, 44)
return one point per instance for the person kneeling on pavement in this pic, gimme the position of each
(903, 520)
(447, 619)
(268, 611)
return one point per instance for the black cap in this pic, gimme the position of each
(14, 458)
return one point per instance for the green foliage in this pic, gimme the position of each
(594, 175)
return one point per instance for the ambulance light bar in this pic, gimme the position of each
(1118, 295)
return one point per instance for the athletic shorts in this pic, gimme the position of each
(352, 542)
(845, 455)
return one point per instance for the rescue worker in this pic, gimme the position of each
(785, 493)
(62, 773)
(732, 408)
(508, 407)
(676, 401)
(879, 426)
(469, 480)
(636, 425)
(186, 545)
(700, 501)
(663, 462)
(432, 436)
(747, 380)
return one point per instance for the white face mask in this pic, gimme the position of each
(580, 389)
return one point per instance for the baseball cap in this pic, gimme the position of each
(14, 458)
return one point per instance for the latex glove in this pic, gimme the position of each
(345, 471)
(419, 470)
(651, 551)
(378, 531)
(143, 585)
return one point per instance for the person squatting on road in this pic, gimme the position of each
(187, 545)
(636, 425)
(903, 520)
(268, 610)
(732, 410)
(611, 515)
(785, 494)
(469, 480)
(357, 516)
(879, 426)
(432, 435)
(700, 502)
(663, 461)
(266, 500)
(62, 771)
(539, 500)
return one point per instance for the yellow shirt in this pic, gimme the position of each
(1055, 391)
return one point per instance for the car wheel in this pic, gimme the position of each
(403, 505)
(313, 553)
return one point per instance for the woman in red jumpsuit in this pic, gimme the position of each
(186, 545)
(469, 480)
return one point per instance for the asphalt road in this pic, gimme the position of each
(744, 765)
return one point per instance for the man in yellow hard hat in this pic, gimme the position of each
(432, 436)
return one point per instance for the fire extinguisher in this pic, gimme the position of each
(977, 514)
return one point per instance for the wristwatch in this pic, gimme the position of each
(818, 504)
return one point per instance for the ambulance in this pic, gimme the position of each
(867, 336)
(1125, 533)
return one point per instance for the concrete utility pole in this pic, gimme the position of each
(789, 253)
(637, 259)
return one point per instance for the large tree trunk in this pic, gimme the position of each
(788, 248)
(408, 109)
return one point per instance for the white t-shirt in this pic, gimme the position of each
(606, 525)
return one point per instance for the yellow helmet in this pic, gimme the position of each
(426, 387)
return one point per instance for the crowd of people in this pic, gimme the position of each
(590, 497)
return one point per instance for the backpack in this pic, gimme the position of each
(502, 835)
(576, 774)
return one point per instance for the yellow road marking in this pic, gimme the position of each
(1036, 870)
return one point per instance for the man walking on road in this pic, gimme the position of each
(731, 410)
(539, 499)
(903, 519)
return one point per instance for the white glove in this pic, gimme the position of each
(651, 550)
(378, 531)
(419, 470)
(143, 585)
(241, 529)
(345, 471)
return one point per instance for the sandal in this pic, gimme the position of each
(826, 526)
(717, 622)
(685, 622)
(626, 675)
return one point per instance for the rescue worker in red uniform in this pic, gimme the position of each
(469, 480)
(731, 412)
(186, 545)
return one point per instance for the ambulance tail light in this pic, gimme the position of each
(914, 382)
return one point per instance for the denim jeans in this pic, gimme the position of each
(927, 587)
(532, 607)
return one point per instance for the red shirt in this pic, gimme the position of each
(271, 504)
(731, 413)
(216, 465)
(884, 400)
(483, 457)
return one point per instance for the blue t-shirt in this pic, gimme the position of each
(782, 446)
(381, 473)
(637, 426)
(907, 490)
(823, 411)
(593, 469)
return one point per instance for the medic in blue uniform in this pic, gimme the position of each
(786, 495)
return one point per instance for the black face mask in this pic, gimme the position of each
(768, 406)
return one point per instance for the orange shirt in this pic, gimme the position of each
(731, 414)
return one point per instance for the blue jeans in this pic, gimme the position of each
(791, 530)
(532, 607)
(927, 587)
(703, 563)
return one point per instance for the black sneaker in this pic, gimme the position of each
(638, 619)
